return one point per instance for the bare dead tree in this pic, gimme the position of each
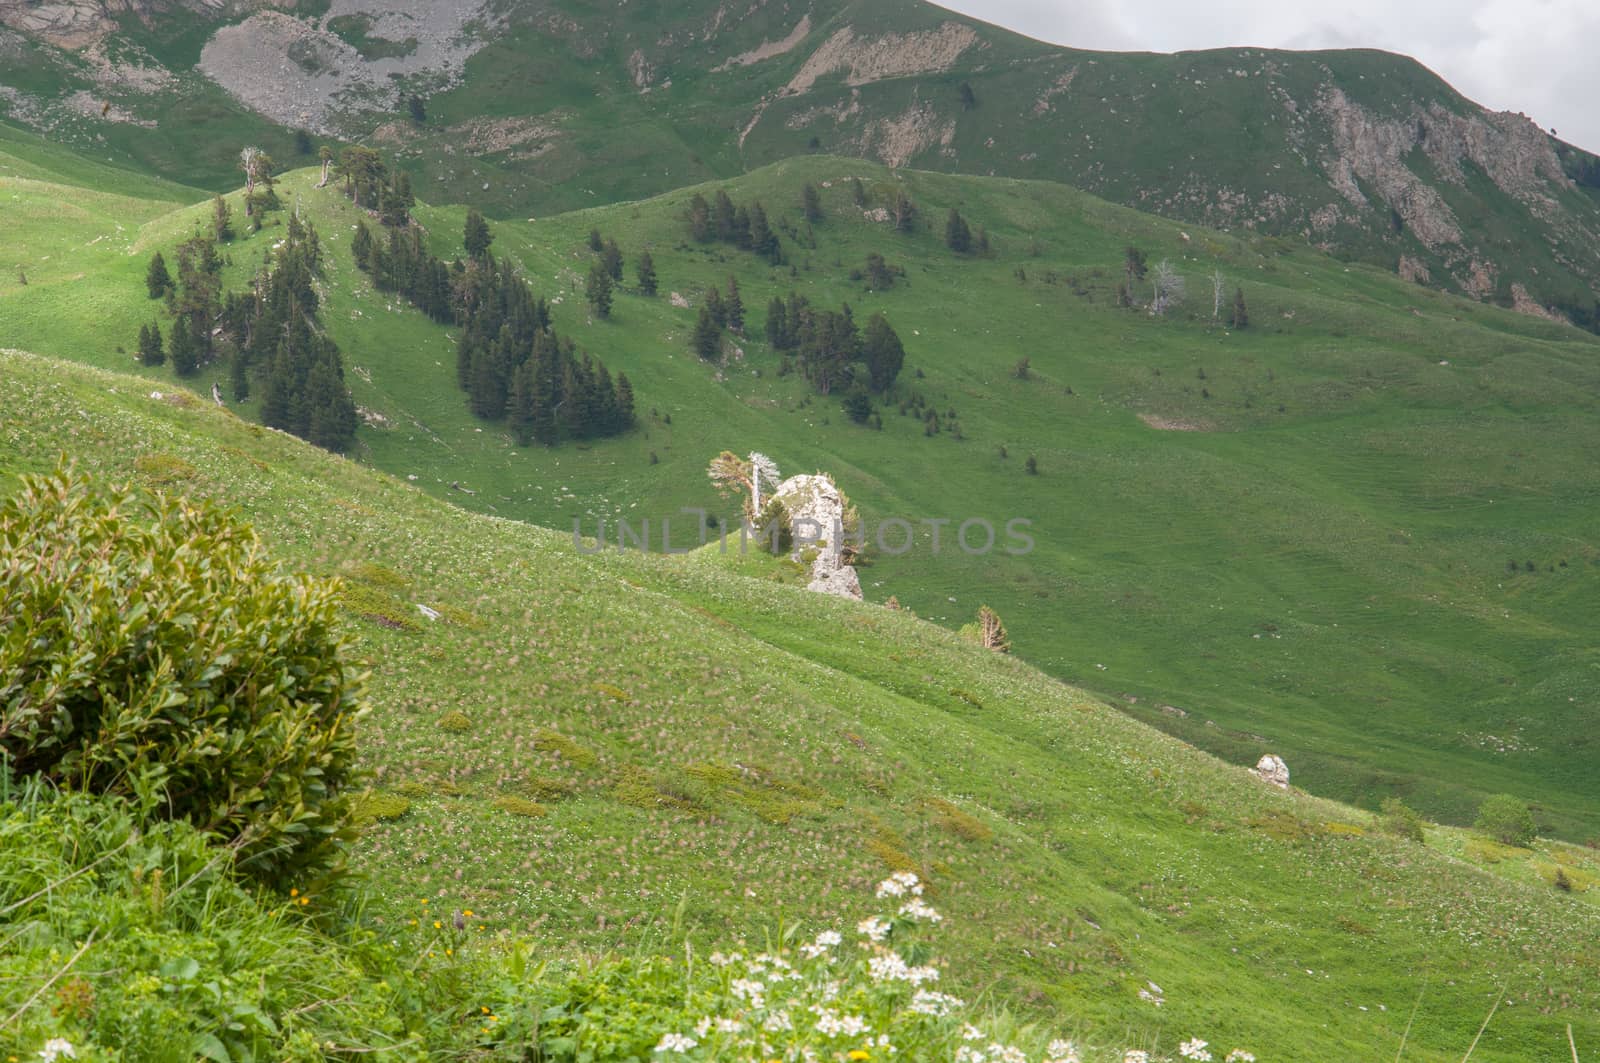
(1219, 284)
(1168, 287)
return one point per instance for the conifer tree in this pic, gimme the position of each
(361, 245)
(156, 279)
(596, 243)
(151, 351)
(763, 241)
(611, 259)
(599, 290)
(723, 217)
(476, 235)
(707, 334)
(221, 220)
(733, 307)
(700, 227)
(957, 234)
(905, 212)
(777, 325)
(811, 203)
(884, 353)
(1241, 315)
(716, 308)
(624, 402)
(647, 274)
(858, 192)
(185, 356)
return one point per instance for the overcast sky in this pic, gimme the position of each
(1534, 56)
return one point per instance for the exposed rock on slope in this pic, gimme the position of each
(818, 518)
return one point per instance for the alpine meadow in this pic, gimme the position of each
(804, 531)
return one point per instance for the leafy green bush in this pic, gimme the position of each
(149, 648)
(1399, 820)
(1507, 820)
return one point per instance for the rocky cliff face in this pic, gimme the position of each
(76, 24)
(817, 520)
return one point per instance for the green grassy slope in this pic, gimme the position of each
(751, 753)
(1321, 573)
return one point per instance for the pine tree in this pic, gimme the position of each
(156, 279)
(417, 109)
(957, 234)
(700, 228)
(722, 217)
(884, 353)
(476, 236)
(611, 259)
(184, 350)
(880, 278)
(777, 325)
(858, 192)
(1241, 316)
(905, 212)
(596, 243)
(733, 307)
(763, 241)
(981, 246)
(361, 245)
(151, 351)
(1134, 268)
(811, 203)
(599, 290)
(647, 274)
(221, 220)
(707, 334)
(624, 402)
(716, 308)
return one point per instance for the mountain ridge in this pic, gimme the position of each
(1360, 152)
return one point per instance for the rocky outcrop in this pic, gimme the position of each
(818, 514)
(78, 24)
(869, 59)
(1272, 769)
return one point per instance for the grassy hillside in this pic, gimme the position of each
(583, 745)
(567, 105)
(1320, 569)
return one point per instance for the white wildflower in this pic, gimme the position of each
(899, 884)
(1136, 1055)
(874, 929)
(928, 1002)
(1239, 1055)
(917, 910)
(729, 1025)
(670, 1042)
(1194, 1048)
(970, 1032)
(751, 990)
(777, 1021)
(968, 1054)
(1062, 1052)
(57, 1047)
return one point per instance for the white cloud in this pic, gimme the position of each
(1533, 56)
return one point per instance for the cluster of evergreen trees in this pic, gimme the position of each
(278, 339)
(370, 183)
(832, 351)
(718, 312)
(509, 360)
(725, 222)
(269, 333)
